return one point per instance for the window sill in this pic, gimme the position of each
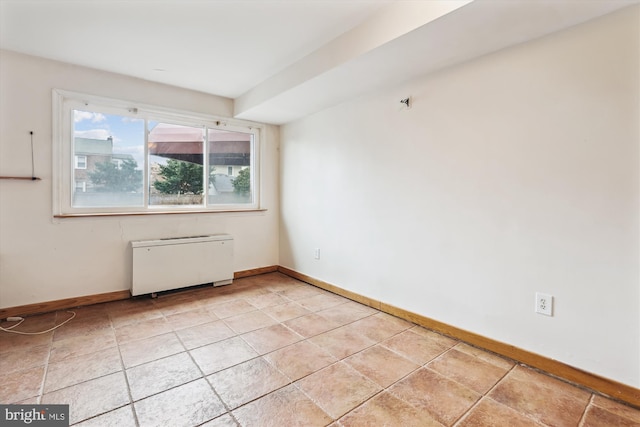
(117, 214)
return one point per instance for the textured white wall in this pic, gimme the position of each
(42, 259)
(517, 172)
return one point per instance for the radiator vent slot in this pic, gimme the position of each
(167, 264)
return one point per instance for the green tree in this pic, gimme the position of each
(242, 183)
(108, 176)
(180, 177)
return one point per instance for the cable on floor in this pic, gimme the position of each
(10, 328)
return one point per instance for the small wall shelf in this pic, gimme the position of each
(24, 178)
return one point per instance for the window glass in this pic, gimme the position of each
(229, 151)
(108, 151)
(110, 157)
(175, 164)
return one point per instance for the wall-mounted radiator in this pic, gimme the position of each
(165, 264)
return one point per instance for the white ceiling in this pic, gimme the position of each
(280, 59)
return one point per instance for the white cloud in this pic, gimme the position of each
(79, 116)
(92, 133)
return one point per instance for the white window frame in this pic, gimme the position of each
(64, 102)
(77, 161)
(118, 163)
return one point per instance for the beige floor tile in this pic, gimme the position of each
(381, 326)
(486, 356)
(434, 336)
(300, 359)
(84, 323)
(21, 385)
(444, 399)
(25, 358)
(232, 308)
(246, 382)
(338, 388)
(286, 311)
(77, 346)
(541, 397)
(268, 299)
(311, 325)
(91, 398)
(285, 407)
(172, 304)
(225, 420)
(160, 375)
(134, 314)
(346, 313)
(271, 338)
(249, 322)
(204, 334)
(14, 342)
(617, 408)
(148, 349)
(381, 365)
(417, 348)
(321, 301)
(142, 330)
(342, 342)
(75, 370)
(387, 410)
(187, 405)
(489, 413)
(599, 417)
(468, 370)
(190, 318)
(222, 355)
(121, 417)
(299, 291)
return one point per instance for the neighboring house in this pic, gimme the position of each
(87, 153)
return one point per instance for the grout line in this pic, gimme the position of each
(46, 364)
(586, 409)
(124, 373)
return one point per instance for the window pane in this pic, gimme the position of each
(100, 143)
(230, 167)
(175, 164)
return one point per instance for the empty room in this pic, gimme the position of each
(320, 213)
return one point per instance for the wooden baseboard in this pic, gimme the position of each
(611, 388)
(255, 271)
(63, 304)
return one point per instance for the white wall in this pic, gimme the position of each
(515, 173)
(42, 259)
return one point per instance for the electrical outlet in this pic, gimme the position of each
(544, 304)
(316, 253)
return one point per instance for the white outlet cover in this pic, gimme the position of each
(544, 304)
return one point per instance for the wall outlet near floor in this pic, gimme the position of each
(544, 304)
(316, 253)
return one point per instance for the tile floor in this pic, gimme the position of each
(272, 351)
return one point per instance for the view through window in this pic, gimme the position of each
(131, 159)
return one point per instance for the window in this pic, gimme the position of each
(139, 159)
(81, 162)
(81, 186)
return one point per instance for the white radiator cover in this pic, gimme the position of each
(165, 264)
